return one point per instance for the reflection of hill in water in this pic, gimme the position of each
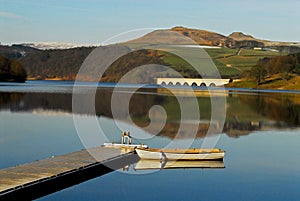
(10, 100)
(283, 108)
(245, 113)
(28, 102)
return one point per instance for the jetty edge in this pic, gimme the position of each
(40, 178)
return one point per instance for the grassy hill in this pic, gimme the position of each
(276, 72)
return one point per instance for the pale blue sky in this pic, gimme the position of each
(94, 21)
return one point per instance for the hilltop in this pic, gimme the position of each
(239, 36)
(203, 37)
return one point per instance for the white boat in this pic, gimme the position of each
(145, 164)
(180, 154)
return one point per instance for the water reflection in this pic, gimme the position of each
(245, 112)
(282, 108)
(258, 167)
(10, 100)
(159, 165)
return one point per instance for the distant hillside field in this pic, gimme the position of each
(240, 59)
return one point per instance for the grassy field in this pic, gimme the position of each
(229, 62)
(246, 58)
(241, 62)
(272, 83)
(224, 71)
(217, 53)
(175, 61)
(225, 56)
(249, 52)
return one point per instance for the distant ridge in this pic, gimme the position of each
(209, 38)
(183, 36)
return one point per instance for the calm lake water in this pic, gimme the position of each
(261, 137)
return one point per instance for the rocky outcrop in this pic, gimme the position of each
(240, 36)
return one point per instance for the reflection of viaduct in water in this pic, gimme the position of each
(192, 82)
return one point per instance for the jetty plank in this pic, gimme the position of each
(26, 179)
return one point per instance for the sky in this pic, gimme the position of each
(95, 21)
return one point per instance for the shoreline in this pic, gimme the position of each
(273, 83)
(55, 79)
(199, 89)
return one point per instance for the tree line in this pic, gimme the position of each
(65, 63)
(269, 66)
(11, 70)
(55, 63)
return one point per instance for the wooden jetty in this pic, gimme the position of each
(43, 177)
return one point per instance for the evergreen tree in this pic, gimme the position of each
(11, 70)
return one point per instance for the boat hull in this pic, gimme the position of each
(164, 155)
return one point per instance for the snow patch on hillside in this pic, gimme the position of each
(56, 45)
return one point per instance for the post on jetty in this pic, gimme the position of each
(40, 178)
